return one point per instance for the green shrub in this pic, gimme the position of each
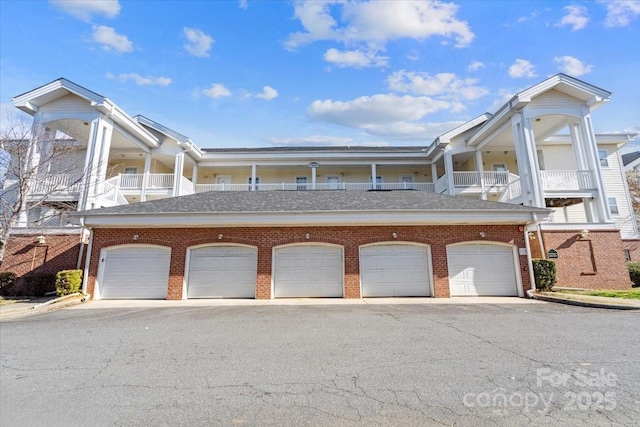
(38, 284)
(7, 283)
(544, 272)
(68, 282)
(634, 273)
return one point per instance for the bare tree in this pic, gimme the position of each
(41, 177)
(633, 181)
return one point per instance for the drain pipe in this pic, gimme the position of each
(85, 273)
(527, 229)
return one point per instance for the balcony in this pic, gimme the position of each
(58, 187)
(567, 181)
(420, 186)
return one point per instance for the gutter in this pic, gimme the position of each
(527, 229)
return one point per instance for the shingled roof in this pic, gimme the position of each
(309, 201)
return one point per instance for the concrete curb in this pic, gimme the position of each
(581, 301)
(62, 302)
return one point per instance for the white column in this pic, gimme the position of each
(177, 173)
(434, 173)
(145, 177)
(480, 169)
(253, 177)
(374, 174)
(94, 145)
(528, 168)
(313, 178)
(194, 176)
(532, 159)
(448, 170)
(591, 152)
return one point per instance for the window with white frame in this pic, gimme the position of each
(602, 154)
(130, 170)
(613, 206)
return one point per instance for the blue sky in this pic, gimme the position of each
(264, 73)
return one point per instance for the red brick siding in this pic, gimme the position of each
(633, 246)
(596, 262)
(24, 255)
(266, 238)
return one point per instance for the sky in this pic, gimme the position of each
(298, 73)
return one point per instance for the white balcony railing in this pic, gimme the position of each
(473, 179)
(56, 185)
(441, 185)
(567, 180)
(420, 186)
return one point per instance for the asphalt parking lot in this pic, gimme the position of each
(403, 364)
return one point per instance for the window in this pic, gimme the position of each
(257, 182)
(301, 182)
(130, 170)
(613, 206)
(627, 254)
(602, 154)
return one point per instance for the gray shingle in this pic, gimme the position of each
(309, 201)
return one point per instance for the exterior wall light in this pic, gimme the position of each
(220, 236)
(483, 234)
(306, 236)
(136, 237)
(584, 233)
(394, 235)
(42, 240)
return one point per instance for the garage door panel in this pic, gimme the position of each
(136, 272)
(308, 271)
(395, 270)
(481, 269)
(222, 272)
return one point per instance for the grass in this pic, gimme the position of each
(626, 294)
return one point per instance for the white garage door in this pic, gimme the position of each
(222, 272)
(135, 272)
(308, 271)
(481, 269)
(395, 270)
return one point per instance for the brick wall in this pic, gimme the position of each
(438, 237)
(24, 255)
(633, 246)
(596, 262)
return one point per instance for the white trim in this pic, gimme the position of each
(273, 261)
(399, 243)
(514, 254)
(264, 219)
(185, 276)
(569, 226)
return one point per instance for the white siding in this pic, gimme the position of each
(68, 104)
(574, 213)
(555, 99)
(615, 186)
(559, 157)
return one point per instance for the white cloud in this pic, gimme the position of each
(317, 140)
(475, 66)
(620, 13)
(110, 40)
(140, 80)
(198, 43)
(268, 93)
(217, 90)
(355, 58)
(384, 115)
(522, 68)
(577, 18)
(572, 66)
(85, 9)
(446, 85)
(376, 22)
(243, 4)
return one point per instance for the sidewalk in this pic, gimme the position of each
(587, 300)
(27, 306)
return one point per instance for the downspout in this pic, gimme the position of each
(527, 229)
(85, 273)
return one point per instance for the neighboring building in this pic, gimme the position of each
(463, 215)
(631, 161)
